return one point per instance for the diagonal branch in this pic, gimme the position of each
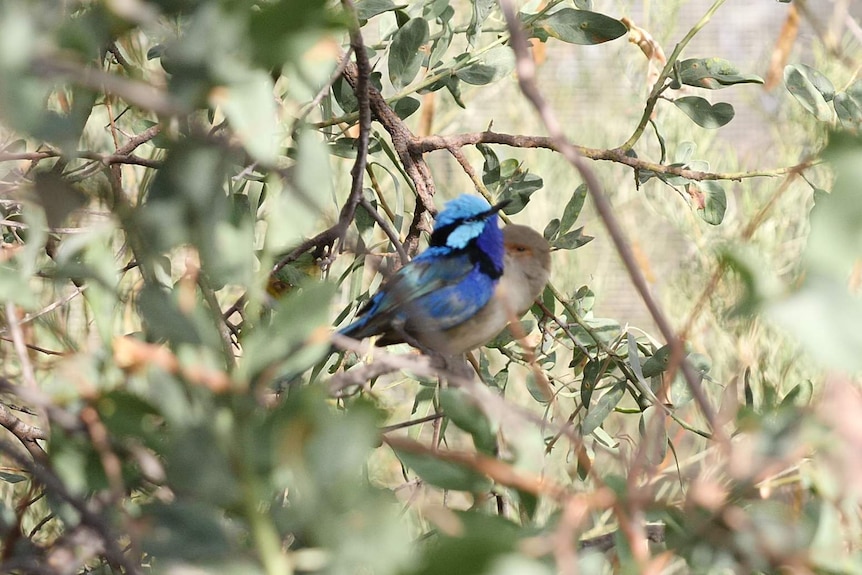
(412, 160)
(527, 81)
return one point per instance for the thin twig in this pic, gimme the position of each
(27, 371)
(427, 144)
(387, 229)
(411, 423)
(660, 85)
(357, 172)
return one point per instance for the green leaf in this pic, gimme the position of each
(825, 318)
(11, 477)
(164, 318)
(684, 152)
(405, 56)
(491, 167)
(804, 87)
(709, 199)
(181, 530)
(703, 113)
(848, 107)
(713, 73)
(604, 406)
(294, 334)
(591, 375)
(444, 474)
(537, 391)
(573, 208)
(492, 66)
(367, 9)
(459, 407)
(800, 395)
(405, 107)
(572, 240)
(657, 362)
(580, 26)
(653, 428)
(552, 229)
(250, 107)
(603, 329)
(344, 95)
(818, 80)
(435, 9)
(481, 9)
(439, 46)
(516, 185)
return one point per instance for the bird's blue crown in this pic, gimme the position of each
(470, 224)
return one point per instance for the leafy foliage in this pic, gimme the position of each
(194, 194)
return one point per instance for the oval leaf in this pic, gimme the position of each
(653, 428)
(806, 93)
(459, 407)
(849, 110)
(405, 107)
(405, 58)
(703, 113)
(573, 208)
(818, 80)
(369, 8)
(604, 406)
(709, 200)
(444, 474)
(713, 73)
(580, 26)
(494, 65)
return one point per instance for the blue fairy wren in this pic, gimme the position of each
(464, 289)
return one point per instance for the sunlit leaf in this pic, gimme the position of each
(803, 85)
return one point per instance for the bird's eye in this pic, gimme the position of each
(520, 249)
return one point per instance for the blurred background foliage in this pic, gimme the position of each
(183, 223)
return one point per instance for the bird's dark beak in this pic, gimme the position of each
(497, 207)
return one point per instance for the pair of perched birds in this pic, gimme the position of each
(465, 288)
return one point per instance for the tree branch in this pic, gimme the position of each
(433, 143)
(526, 80)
